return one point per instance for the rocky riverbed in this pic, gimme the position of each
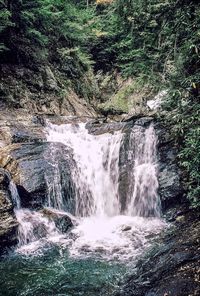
(171, 266)
(28, 160)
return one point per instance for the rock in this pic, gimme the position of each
(62, 220)
(18, 127)
(130, 117)
(126, 228)
(50, 80)
(41, 172)
(41, 91)
(144, 121)
(99, 128)
(4, 179)
(171, 266)
(170, 187)
(8, 222)
(125, 166)
(180, 219)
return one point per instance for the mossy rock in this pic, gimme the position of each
(129, 99)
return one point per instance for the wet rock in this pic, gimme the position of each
(126, 228)
(171, 266)
(40, 171)
(131, 117)
(144, 121)
(8, 222)
(62, 220)
(25, 136)
(170, 187)
(96, 128)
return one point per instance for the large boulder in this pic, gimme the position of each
(8, 222)
(170, 187)
(41, 172)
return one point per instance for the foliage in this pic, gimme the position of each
(187, 134)
(190, 161)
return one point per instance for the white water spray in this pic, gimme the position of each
(143, 199)
(34, 229)
(102, 229)
(96, 172)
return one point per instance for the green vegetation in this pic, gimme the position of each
(156, 42)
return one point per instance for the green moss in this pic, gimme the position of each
(120, 102)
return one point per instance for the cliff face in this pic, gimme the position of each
(43, 90)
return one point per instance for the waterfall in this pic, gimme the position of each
(53, 181)
(96, 172)
(143, 199)
(33, 226)
(101, 227)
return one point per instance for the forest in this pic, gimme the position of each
(156, 42)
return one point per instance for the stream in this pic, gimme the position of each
(108, 234)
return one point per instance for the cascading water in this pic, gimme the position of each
(96, 172)
(143, 199)
(102, 228)
(33, 226)
(76, 262)
(55, 197)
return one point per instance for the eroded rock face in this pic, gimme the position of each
(20, 127)
(170, 188)
(37, 169)
(8, 222)
(42, 90)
